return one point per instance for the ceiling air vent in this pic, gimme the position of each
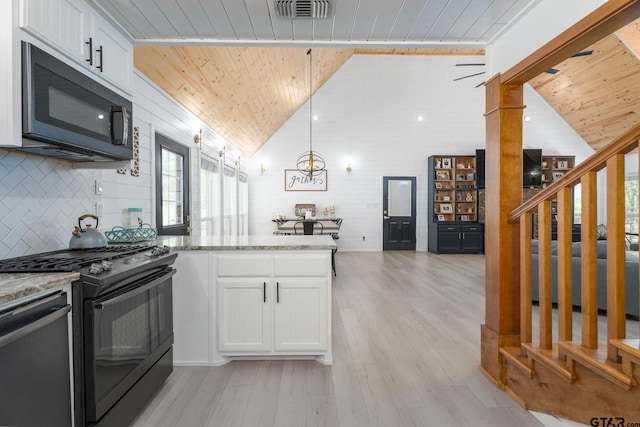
(313, 9)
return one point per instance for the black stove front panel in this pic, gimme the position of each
(122, 272)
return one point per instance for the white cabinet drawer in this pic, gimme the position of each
(304, 265)
(233, 265)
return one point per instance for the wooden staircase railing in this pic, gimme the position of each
(613, 356)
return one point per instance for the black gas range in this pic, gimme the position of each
(122, 318)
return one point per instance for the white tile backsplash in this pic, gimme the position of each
(40, 202)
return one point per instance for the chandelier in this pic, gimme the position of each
(310, 163)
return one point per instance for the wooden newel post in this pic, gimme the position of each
(504, 105)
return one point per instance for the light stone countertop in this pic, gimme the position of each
(19, 285)
(248, 243)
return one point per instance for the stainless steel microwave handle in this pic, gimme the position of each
(137, 291)
(34, 326)
(122, 139)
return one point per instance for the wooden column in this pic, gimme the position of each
(503, 194)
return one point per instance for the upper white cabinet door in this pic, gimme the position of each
(63, 24)
(113, 54)
(301, 314)
(244, 315)
(75, 30)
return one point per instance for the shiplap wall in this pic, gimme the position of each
(368, 117)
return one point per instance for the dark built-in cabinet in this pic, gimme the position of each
(453, 206)
(460, 238)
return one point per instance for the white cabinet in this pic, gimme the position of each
(77, 31)
(274, 304)
(113, 54)
(244, 315)
(300, 315)
(61, 23)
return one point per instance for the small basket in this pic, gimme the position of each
(131, 235)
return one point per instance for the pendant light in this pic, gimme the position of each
(310, 163)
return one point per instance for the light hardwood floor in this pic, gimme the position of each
(406, 339)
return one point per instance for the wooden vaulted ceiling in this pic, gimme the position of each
(599, 94)
(247, 93)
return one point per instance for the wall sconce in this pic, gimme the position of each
(197, 138)
(349, 169)
(222, 152)
(262, 169)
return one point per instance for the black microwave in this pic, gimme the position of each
(66, 114)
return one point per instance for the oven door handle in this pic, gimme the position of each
(137, 291)
(34, 326)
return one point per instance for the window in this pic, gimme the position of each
(577, 204)
(230, 202)
(631, 205)
(209, 197)
(243, 204)
(172, 187)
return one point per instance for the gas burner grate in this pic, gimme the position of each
(115, 248)
(68, 260)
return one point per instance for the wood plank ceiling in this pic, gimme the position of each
(240, 65)
(243, 70)
(599, 94)
(247, 93)
(384, 22)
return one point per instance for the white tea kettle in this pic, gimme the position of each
(88, 237)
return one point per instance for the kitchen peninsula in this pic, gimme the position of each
(251, 297)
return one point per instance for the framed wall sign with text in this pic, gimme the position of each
(294, 180)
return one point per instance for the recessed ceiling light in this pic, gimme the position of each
(527, 118)
(315, 117)
(420, 118)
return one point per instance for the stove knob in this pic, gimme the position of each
(95, 269)
(155, 252)
(107, 265)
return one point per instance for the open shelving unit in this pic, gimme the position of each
(453, 205)
(554, 167)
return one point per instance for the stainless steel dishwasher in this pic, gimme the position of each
(34, 362)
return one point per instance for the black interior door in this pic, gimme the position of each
(399, 213)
